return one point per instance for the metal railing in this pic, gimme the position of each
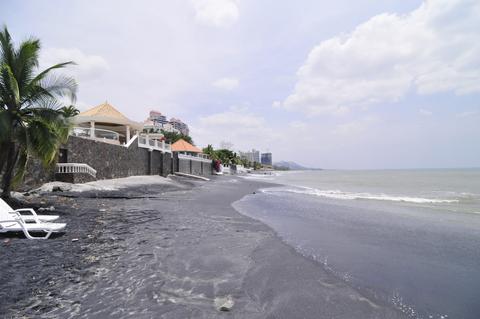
(75, 168)
(145, 142)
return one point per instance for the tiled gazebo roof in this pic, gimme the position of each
(183, 146)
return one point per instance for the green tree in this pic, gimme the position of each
(172, 137)
(69, 111)
(31, 120)
(226, 156)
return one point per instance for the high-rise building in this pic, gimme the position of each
(267, 159)
(157, 121)
(256, 156)
(158, 118)
(179, 125)
(251, 156)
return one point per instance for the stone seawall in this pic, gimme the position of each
(194, 167)
(111, 161)
(115, 161)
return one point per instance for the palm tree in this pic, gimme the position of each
(69, 111)
(210, 152)
(31, 122)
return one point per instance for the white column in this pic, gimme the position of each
(163, 144)
(127, 134)
(92, 129)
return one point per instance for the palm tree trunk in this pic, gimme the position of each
(3, 156)
(12, 155)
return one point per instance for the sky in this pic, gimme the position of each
(329, 84)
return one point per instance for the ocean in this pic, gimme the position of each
(410, 238)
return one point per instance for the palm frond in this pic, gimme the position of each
(6, 47)
(60, 86)
(42, 74)
(42, 140)
(26, 60)
(9, 86)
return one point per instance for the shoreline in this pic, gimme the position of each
(174, 253)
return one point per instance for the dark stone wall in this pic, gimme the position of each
(175, 162)
(194, 167)
(207, 169)
(36, 174)
(166, 164)
(184, 166)
(74, 178)
(110, 161)
(156, 159)
(114, 161)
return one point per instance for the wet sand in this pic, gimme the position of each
(169, 251)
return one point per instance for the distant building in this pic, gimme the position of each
(180, 126)
(252, 156)
(157, 122)
(267, 159)
(256, 156)
(158, 118)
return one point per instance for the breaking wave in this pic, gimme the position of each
(336, 194)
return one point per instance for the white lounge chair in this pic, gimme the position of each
(15, 223)
(28, 218)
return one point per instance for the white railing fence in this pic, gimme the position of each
(97, 133)
(75, 168)
(199, 157)
(145, 142)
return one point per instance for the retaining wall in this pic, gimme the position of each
(115, 161)
(194, 167)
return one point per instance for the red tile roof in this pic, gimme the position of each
(183, 146)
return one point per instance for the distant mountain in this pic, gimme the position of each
(290, 166)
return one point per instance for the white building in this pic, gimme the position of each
(251, 156)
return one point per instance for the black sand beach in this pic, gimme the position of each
(164, 251)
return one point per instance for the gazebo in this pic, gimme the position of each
(186, 148)
(106, 124)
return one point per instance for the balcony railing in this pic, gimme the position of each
(145, 142)
(196, 157)
(75, 168)
(98, 134)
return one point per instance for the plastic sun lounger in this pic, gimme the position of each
(33, 216)
(14, 222)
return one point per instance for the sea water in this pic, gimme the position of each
(410, 238)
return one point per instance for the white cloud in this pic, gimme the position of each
(356, 127)
(425, 112)
(228, 84)
(298, 125)
(468, 114)
(216, 13)
(245, 130)
(434, 48)
(87, 66)
(276, 104)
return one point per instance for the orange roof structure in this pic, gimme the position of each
(183, 146)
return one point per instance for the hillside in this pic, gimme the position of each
(290, 166)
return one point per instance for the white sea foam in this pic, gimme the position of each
(259, 176)
(350, 196)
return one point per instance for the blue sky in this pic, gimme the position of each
(333, 84)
